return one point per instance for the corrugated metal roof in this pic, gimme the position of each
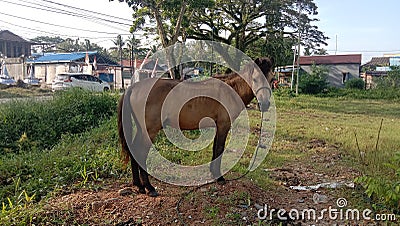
(71, 57)
(331, 59)
(61, 57)
(378, 61)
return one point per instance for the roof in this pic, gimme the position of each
(6, 35)
(378, 61)
(72, 57)
(331, 59)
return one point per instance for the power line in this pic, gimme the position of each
(65, 12)
(87, 10)
(75, 13)
(57, 34)
(100, 32)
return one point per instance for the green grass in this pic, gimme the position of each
(91, 158)
(82, 160)
(16, 92)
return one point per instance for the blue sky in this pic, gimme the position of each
(368, 27)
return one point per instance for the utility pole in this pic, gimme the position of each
(294, 61)
(298, 49)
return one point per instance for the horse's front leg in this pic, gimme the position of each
(218, 149)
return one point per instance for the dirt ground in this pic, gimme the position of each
(237, 202)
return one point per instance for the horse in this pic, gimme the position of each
(254, 81)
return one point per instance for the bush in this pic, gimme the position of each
(41, 123)
(356, 83)
(314, 82)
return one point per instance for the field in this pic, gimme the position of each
(331, 140)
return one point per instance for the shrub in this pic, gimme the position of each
(314, 82)
(43, 122)
(382, 189)
(355, 83)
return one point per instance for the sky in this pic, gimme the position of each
(361, 26)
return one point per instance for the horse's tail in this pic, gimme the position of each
(124, 105)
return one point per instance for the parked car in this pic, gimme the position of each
(32, 81)
(6, 80)
(84, 81)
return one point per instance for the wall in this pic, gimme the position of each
(47, 72)
(335, 76)
(15, 67)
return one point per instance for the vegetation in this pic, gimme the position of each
(391, 81)
(314, 82)
(90, 159)
(40, 125)
(355, 83)
(213, 19)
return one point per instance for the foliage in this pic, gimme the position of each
(80, 160)
(384, 189)
(57, 44)
(392, 80)
(376, 94)
(236, 23)
(314, 82)
(42, 123)
(355, 83)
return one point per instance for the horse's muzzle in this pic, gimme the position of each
(264, 106)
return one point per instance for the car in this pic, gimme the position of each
(6, 80)
(32, 81)
(80, 80)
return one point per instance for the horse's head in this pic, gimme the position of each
(261, 82)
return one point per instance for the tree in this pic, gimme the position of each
(47, 44)
(315, 81)
(245, 22)
(169, 17)
(236, 23)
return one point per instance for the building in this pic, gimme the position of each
(13, 46)
(13, 52)
(47, 65)
(341, 68)
(378, 67)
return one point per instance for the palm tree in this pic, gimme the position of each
(119, 43)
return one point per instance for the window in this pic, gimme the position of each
(345, 77)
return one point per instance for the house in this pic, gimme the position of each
(341, 68)
(13, 52)
(47, 65)
(378, 67)
(13, 46)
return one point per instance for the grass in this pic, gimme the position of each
(16, 92)
(92, 157)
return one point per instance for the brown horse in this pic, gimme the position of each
(149, 103)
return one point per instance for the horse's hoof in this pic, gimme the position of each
(142, 191)
(152, 193)
(221, 181)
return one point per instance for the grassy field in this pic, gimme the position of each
(91, 159)
(16, 92)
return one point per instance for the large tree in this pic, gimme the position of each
(242, 23)
(236, 23)
(169, 17)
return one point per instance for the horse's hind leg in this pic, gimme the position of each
(218, 149)
(146, 183)
(136, 178)
(142, 157)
